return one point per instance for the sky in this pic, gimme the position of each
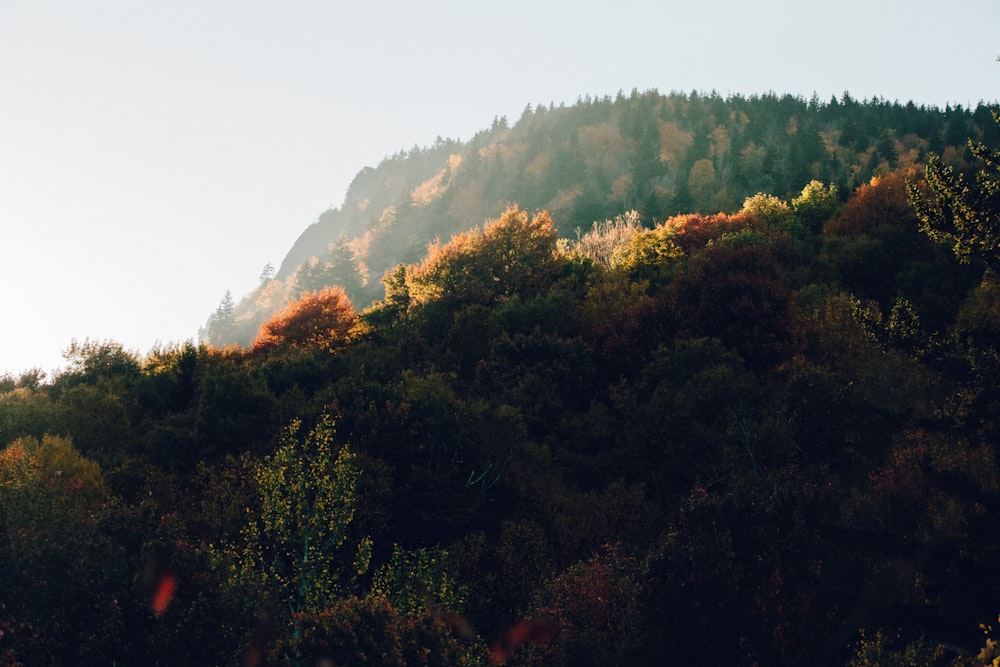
(155, 154)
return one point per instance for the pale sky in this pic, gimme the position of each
(154, 154)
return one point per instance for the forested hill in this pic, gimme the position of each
(656, 154)
(762, 436)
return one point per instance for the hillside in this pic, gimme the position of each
(656, 154)
(761, 436)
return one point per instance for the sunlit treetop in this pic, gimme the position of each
(324, 319)
(964, 214)
(514, 254)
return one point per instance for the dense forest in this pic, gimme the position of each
(659, 155)
(716, 382)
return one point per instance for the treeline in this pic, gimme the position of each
(658, 154)
(761, 437)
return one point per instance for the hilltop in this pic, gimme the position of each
(656, 154)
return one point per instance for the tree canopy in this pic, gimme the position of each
(962, 213)
(323, 319)
(761, 434)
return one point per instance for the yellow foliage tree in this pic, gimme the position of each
(298, 549)
(514, 254)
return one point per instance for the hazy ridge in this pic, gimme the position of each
(657, 154)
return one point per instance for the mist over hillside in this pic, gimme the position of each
(657, 154)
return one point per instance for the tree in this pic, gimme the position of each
(221, 322)
(338, 267)
(224, 313)
(872, 243)
(815, 204)
(691, 232)
(701, 183)
(356, 632)
(772, 210)
(591, 611)
(24, 412)
(650, 251)
(609, 240)
(342, 269)
(30, 380)
(298, 548)
(235, 411)
(967, 215)
(514, 254)
(415, 581)
(323, 320)
(751, 165)
(53, 564)
(267, 273)
(736, 291)
(101, 363)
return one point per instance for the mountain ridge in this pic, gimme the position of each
(657, 154)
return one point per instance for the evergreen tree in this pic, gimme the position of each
(267, 273)
(220, 324)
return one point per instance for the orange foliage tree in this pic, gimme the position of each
(324, 319)
(878, 205)
(692, 231)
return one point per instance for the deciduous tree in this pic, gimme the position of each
(298, 549)
(815, 204)
(323, 319)
(966, 215)
(52, 571)
(514, 254)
